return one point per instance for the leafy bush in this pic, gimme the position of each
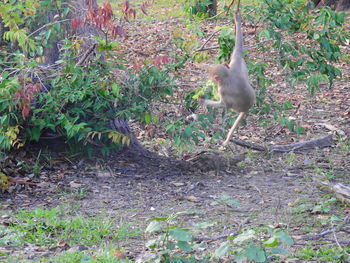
(73, 101)
(226, 43)
(324, 29)
(173, 243)
(311, 62)
(79, 103)
(197, 8)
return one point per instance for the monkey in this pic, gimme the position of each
(234, 89)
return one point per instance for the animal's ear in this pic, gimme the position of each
(216, 78)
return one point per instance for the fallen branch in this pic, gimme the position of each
(18, 180)
(328, 231)
(319, 143)
(341, 191)
(213, 238)
(340, 242)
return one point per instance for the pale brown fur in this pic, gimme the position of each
(234, 90)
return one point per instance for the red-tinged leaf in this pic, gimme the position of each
(76, 22)
(136, 66)
(62, 244)
(131, 13)
(107, 6)
(118, 254)
(25, 111)
(125, 6)
(91, 14)
(161, 60)
(143, 9)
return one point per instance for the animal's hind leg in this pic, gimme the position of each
(214, 104)
(234, 126)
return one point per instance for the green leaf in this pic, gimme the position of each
(154, 226)
(223, 250)
(180, 235)
(265, 33)
(34, 133)
(188, 131)
(255, 253)
(299, 130)
(247, 235)
(151, 243)
(147, 118)
(285, 238)
(271, 242)
(184, 246)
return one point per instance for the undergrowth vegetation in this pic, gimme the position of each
(76, 101)
(166, 238)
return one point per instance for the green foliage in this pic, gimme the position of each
(324, 29)
(247, 246)
(332, 254)
(184, 133)
(198, 8)
(45, 227)
(226, 41)
(78, 103)
(57, 228)
(4, 183)
(23, 17)
(168, 237)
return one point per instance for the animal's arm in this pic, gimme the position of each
(213, 103)
(238, 50)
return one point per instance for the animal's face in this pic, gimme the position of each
(219, 73)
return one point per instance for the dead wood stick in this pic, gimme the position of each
(342, 191)
(329, 231)
(320, 235)
(300, 146)
(209, 38)
(327, 167)
(86, 55)
(340, 242)
(303, 146)
(249, 145)
(214, 238)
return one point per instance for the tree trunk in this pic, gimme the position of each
(212, 8)
(2, 29)
(342, 5)
(338, 5)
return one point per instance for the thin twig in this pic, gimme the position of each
(229, 6)
(328, 231)
(238, 5)
(209, 38)
(87, 53)
(46, 25)
(207, 48)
